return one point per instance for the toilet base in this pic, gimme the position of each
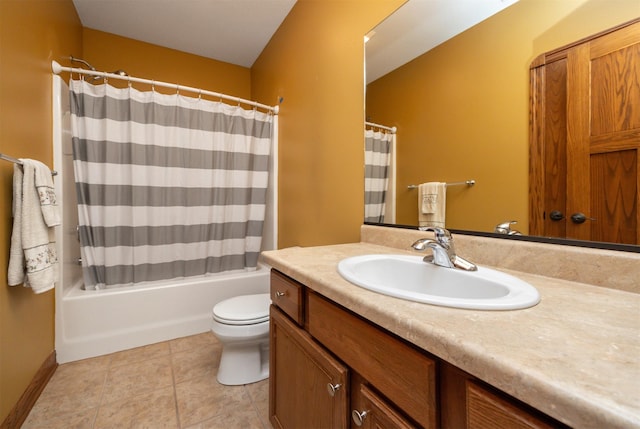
(243, 363)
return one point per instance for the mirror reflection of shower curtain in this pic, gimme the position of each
(377, 158)
(168, 186)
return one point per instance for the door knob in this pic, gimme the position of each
(358, 417)
(333, 388)
(580, 218)
(556, 215)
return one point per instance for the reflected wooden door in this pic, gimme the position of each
(585, 141)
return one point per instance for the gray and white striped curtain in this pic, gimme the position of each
(377, 156)
(168, 186)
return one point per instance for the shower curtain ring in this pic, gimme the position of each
(177, 89)
(199, 94)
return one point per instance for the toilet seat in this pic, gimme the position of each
(243, 310)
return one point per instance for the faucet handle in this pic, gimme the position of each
(442, 235)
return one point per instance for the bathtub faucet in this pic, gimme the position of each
(443, 250)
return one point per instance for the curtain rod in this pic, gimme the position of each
(57, 69)
(17, 161)
(372, 124)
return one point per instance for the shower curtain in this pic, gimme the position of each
(168, 186)
(377, 156)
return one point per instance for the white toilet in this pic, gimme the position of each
(241, 324)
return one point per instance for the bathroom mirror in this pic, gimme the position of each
(462, 109)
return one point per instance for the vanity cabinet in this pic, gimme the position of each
(331, 368)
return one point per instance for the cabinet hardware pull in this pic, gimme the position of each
(280, 294)
(333, 388)
(359, 416)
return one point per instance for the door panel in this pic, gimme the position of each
(614, 188)
(615, 82)
(556, 146)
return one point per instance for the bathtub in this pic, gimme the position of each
(106, 321)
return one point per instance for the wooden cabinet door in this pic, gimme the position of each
(467, 403)
(488, 411)
(300, 374)
(585, 139)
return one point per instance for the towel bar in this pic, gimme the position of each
(17, 161)
(466, 182)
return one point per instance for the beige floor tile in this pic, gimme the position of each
(236, 419)
(140, 354)
(151, 410)
(196, 363)
(142, 377)
(100, 363)
(193, 342)
(165, 385)
(75, 420)
(259, 393)
(68, 393)
(202, 399)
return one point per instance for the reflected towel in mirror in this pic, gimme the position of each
(432, 204)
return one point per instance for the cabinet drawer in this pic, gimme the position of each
(286, 294)
(405, 376)
(375, 412)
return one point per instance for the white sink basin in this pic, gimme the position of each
(409, 277)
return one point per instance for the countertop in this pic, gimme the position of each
(575, 356)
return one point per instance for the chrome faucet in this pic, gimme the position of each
(443, 251)
(505, 228)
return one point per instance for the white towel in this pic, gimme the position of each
(32, 259)
(432, 204)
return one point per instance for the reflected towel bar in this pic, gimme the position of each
(466, 182)
(17, 161)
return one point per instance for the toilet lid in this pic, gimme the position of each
(243, 310)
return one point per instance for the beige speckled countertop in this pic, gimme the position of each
(574, 356)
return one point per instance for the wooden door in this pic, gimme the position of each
(308, 387)
(585, 139)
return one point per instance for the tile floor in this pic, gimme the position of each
(165, 385)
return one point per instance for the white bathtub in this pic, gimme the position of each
(101, 322)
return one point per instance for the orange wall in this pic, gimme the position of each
(462, 109)
(32, 34)
(315, 62)
(109, 52)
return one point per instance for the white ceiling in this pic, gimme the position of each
(420, 25)
(236, 31)
(233, 31)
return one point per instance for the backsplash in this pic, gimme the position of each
(605, 268)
